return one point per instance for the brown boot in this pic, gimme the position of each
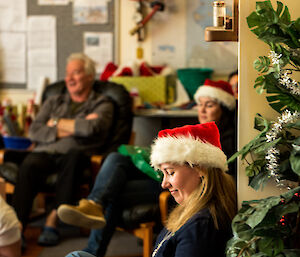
(87, 214)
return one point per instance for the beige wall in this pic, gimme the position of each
(16, 95)
(128, 44)
(250, 102)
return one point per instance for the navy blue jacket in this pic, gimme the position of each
(197, 238)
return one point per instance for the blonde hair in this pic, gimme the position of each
(89, 64)
(216, 192)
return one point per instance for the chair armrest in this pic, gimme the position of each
(2, 152)
(96, 161)
(163, 205)
(2, 188)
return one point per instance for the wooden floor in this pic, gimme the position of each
(33, 249)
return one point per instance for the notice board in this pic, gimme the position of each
(69, 36)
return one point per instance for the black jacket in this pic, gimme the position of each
(197, 238)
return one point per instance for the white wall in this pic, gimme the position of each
(250, 102)
(128, 44)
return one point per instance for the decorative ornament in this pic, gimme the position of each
(274, 57)
(285, 79)
(273, 153)
(290, 84)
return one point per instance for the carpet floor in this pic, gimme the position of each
(122, 243)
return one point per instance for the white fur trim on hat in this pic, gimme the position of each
(184, 149)
(220, 95)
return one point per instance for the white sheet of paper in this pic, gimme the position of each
(13, 15)
(99, 47)
(41, 50)
(53, 2)
(13, 57)
(90, 12)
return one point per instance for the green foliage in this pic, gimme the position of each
(258, 228)
(276, 28)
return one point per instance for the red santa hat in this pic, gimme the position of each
(192, 144)
(218, 90)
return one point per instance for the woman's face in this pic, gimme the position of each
(180, 180)
(208, 110)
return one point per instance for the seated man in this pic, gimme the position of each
(67, 129)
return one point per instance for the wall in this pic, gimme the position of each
(128, 43)
(250, 102)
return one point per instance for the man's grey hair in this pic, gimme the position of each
(89, 64)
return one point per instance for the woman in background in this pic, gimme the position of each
(233, 80)
(216, 102)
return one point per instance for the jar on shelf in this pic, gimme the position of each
(219, 9)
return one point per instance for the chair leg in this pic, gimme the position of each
(147, 240)
(145, 232)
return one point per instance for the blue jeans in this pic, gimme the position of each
(119, 184)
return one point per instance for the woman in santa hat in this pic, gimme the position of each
(194, 168)
(216, 102)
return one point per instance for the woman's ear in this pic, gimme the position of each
(201, 172)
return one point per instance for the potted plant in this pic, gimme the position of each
(271, 226)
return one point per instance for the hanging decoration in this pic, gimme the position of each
(273, 153)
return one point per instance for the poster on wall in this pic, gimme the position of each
(222, 57)
(13, 57)
(99, 47)
(42, 51)
(169, 41)
(90, 12)
(13, 15)
(183, 45)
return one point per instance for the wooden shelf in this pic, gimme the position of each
(153, 113)
(221, 34)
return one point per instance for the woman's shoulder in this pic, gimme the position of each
(202, 220)
(202, 215)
